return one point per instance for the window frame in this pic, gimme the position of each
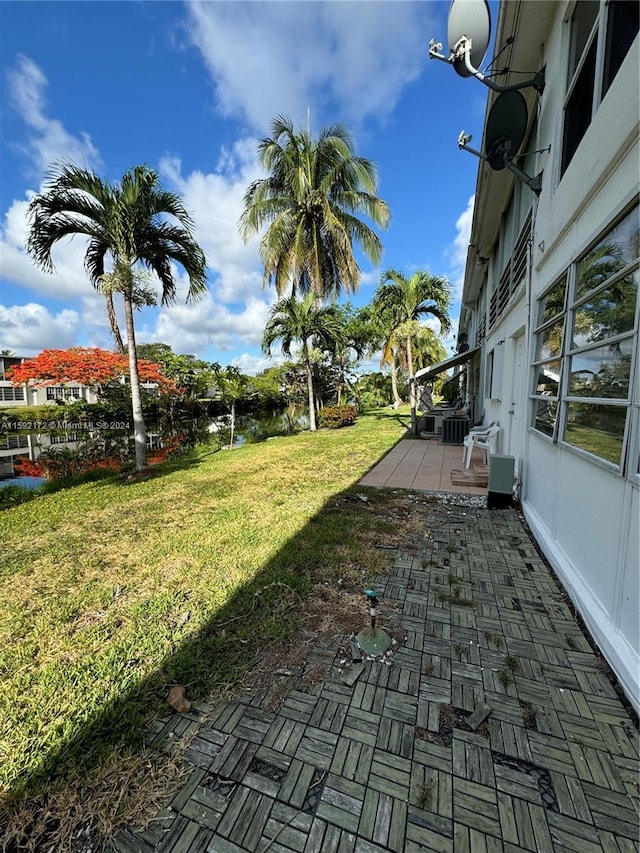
(598, 39)
(564, 399)
(543, 325)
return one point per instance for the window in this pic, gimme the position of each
(64, 437)
(12, 442)
(586, 342)
(6, 363)
(548, 361)
(11, 395)
(601, 33)
(514, 273)
(59, 393)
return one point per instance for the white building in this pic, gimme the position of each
(550, 305)
(14, 444)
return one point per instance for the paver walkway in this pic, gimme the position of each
(492, 728)
(416, 463)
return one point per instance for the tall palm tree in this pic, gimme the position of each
(127, 223)
(405, 300)
(314, 327)
(113, 323)
(311, 200)
(426, 346)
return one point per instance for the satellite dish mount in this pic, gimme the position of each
(501, 154)
(468, 35)
(460, 56)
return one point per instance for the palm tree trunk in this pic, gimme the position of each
(113, 322)
(343, 381)
(139, 429)
(233, 423)
(412, 388)
(394, 384)
(312, 403)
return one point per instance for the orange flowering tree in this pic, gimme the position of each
(88, 366)
(97, 369)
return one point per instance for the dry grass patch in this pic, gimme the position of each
(85, 813)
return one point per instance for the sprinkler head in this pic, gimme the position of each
(373, 641)
(372, 597)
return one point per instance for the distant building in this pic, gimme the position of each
(550, 306)
(14, 445)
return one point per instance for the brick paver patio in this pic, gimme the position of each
(493, 728)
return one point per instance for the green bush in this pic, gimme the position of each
(334, 417)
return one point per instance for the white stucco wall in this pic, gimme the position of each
(585, 517)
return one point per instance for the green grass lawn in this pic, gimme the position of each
(111, 591)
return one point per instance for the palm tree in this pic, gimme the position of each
(387, 342)
(372, 389)
(127, 222)
(359, 338)
(407, 299)
(314, 327)
(311, 201)
(426, 346)
(111, 314)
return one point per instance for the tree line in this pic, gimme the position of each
(309, 210)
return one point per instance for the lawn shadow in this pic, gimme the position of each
(180, 462)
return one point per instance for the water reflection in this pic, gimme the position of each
(250, 429)
(25, 482)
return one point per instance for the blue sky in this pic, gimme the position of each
(189, 88)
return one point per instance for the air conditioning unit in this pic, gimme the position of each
(454, 430)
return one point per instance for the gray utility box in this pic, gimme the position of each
(500, 490)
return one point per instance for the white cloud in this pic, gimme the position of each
(48, 140)
(253, 364)
(272, 58)
(195, 327)
(28, 329)
(69, 278)
(216, 203)
(457, 252)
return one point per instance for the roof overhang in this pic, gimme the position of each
(521, 31)
(454, 361)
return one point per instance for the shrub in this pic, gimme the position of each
(334, 417)
(24, 467)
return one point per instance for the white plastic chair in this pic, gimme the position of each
(485, 438)
(476, 430)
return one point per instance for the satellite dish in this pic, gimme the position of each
(506, 127)
(469, 19)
